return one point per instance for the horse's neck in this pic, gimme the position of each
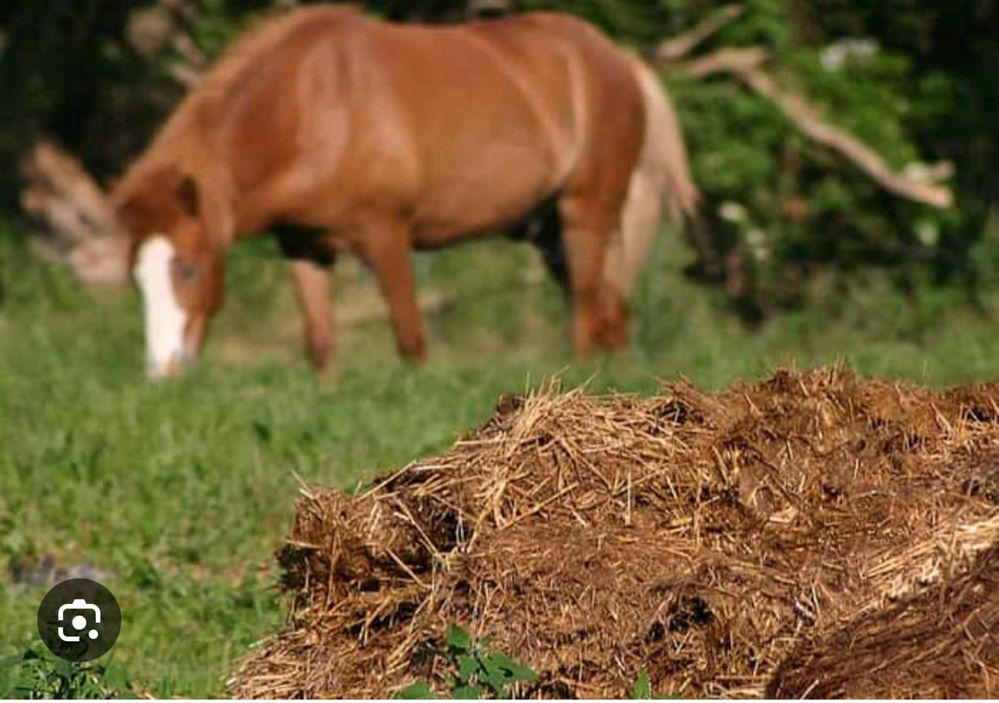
(191, 144)
(219, 207)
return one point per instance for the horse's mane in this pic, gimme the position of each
(177, 143)
(265, 35)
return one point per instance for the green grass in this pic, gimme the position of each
(180, 492)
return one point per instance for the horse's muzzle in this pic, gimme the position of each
(177, 365)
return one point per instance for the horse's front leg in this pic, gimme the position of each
(385, 248)
(311, 263)
(312, 287)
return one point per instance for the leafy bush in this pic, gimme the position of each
(783, 205)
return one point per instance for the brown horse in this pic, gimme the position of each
(342, 132)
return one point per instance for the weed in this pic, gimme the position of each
(36, 676)
(478, 670)
(642, 690)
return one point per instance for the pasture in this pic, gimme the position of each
(177, 494)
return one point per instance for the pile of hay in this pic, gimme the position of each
(702, 538)
(943, 643)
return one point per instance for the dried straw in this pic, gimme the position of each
(943, 643)
(702, 538)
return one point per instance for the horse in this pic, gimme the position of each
(341, 132)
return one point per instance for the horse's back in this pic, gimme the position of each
(502, 113)
(465, 127)
(614, 109)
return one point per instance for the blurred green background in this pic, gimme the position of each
(176, 495)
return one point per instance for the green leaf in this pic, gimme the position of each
(458, 639)
(512, 670)
(467, 692)
(418, 690)
(643, 687)
(467, 666)
(64, 669)
(498, 684)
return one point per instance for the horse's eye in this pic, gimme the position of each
(185, 271)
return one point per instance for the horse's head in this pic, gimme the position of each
(178, 266)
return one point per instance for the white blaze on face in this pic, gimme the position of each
(165, 319)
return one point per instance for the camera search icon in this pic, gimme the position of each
(79, 620)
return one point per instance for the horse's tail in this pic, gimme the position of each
(661, 177)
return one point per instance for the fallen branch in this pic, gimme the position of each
(677, 47)
(81, 226)
(744, 65)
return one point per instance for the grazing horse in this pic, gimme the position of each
(341, 132)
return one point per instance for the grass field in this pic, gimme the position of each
(178, 494)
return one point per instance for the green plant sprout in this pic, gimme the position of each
(479, 671)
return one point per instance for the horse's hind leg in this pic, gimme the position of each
(614, 322)
(587, 226)
(311, 262)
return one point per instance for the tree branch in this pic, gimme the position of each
(150, 30)
(744, 65)
(677, 47)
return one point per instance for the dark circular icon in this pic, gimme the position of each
(79, 620)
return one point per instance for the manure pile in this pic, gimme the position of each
(943, 643)
(814, 534)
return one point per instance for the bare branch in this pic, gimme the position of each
(185, 75)
(733, 61)
(52, 172)
(184, 45)
(744, 65)
(83, 230)
(483, 8)
(677, 47)
(151, 30)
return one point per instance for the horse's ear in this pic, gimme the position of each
(190, 198)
